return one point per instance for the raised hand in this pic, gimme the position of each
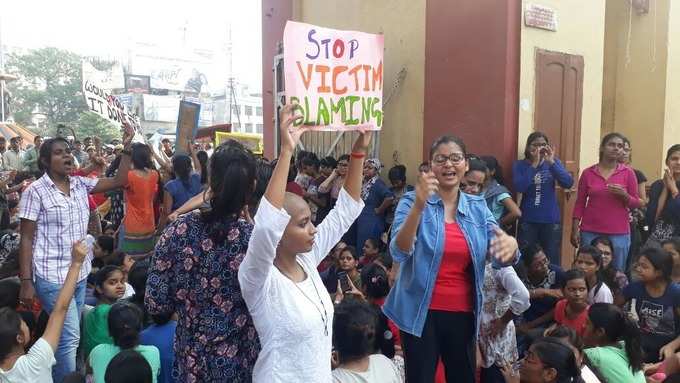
(503, 246)
(362, 142)
(426, 186)
(79, 252)
(669, 181)
(549, 155)
(290, 134)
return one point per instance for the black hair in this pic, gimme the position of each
(344, 157)
(609, 137)
(671, 150)
(137, 279)
(618, 326)
(674, 241)
(397, 173)
(568, 333)
(202, 156)
(106, 242)
(354, 326)
(181, 166)
(162, 318)
(329, 162)
(596, 254)
(352, 250)
(660, 259)
(128, 366)
(386, 260)
(443, 140)
(672, 378)
(494, 166)
(165, 140)
(232, 180)
(9, 293)
(117, 258)
(607, 273)
(529, 252)
(10, 327)
(375, 282)
(573, 274)
(125, 324)
(375, 242)
(533, 137)
(141, 156)
(312, 161)
(477, 165)
(102, 275)
(593, 251)
(45, 155)
(555, 354)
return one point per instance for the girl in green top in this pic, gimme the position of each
(613, 344)
(109, 288)
(125, 324)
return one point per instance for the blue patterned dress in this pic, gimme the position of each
(194, 272)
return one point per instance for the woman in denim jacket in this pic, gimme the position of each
(441, 238)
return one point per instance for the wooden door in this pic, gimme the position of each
(558, 103)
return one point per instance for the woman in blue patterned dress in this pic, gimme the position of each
(194, 272)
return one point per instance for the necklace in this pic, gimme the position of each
(324, 314)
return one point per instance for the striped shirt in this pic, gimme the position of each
(60, 220)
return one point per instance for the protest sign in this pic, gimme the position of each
(101, 102)
(335, 77)
(252, 141)
(187, 125)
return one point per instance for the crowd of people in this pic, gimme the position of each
(128, 262)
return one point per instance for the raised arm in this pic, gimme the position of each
(120, 180)
(407, 216)
(194, 203)
(56, 322)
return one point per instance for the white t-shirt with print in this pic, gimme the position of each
(34, 367)
(380, 370)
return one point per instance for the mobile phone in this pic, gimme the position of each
(344, 281)
(544, 151)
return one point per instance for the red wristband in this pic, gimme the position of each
(358, 155)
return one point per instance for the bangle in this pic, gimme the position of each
(358, 155)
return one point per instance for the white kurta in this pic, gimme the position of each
(290, 317)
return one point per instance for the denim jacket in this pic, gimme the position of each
(408, 303)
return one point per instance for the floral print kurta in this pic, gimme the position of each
(194, 272)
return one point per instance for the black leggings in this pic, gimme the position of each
(448, 335)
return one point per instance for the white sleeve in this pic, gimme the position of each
(519, 294)
(335, 225)
(40, 356)
(270, 223)
(604, 295)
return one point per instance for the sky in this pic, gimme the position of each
(112, 28)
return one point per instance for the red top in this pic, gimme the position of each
(293, 187)
(578, 323)
(453, 288)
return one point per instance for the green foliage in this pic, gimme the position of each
(51, 84)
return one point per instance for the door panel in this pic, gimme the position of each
(559, 100)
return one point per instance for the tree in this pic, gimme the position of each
(50, 83)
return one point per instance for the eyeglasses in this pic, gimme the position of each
(539, 144)
(455, 158)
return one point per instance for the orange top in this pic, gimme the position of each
(140, 193)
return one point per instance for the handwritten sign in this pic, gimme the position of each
(335, 77)
(101, 102)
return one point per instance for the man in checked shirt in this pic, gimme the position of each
(54, 214)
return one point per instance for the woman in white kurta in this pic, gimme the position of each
(291, 310)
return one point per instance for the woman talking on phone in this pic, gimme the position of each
(610, 189)
(536, 177)
(289, 304)
(441, 238)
